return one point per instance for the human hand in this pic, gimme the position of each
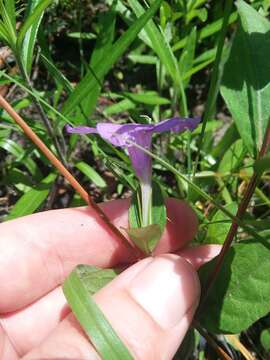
(150, 305)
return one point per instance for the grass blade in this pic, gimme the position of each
(33, 199)
(91, 174)
(8, 22)
(56, 74)
(92, 320)
(207, 31)
(102, 50)
(31, 20)
(30, 36)
(89, 82)
(10, 9)
(215, 80)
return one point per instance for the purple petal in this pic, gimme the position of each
(110, 132)
(177, 125)
(80, 130)
(141, 162)
(119, 135)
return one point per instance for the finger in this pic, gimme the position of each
(199, 255)
(150, 306)
(28, 327)
(37, 252)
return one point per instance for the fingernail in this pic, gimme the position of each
(167, 289)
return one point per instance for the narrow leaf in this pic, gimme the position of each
(187, 56)
(56, 74)
(94, 278)
(32, 199)
(31, 20)
(246, 82)
(92, 320)
(91, 174)
(102, 50)
(31, 35)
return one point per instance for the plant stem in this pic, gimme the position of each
(215, 80)
(65, 172)
(43, 115)
(239, 215)
(219, 351)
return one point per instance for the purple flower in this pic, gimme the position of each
(127, 135)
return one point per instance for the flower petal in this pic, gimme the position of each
(177, 125)
(80, 130)
(118, 135)
(141, 162)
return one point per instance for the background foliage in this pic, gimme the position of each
(81, 62)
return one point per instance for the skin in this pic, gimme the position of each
(150, 304)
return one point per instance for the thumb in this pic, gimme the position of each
(150, 306)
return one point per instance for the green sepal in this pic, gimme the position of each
(146, 238)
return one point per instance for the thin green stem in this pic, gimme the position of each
(41, 112)
(202, 193)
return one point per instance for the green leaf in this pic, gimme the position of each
(56, 74)
(207, 31)
(121, 106)
(21, 155)
(159, 213)
(241, 292)
(265, 339)
(146, 238)
(246, 81)
(187, 56)
(232, 157)
(92, 320)
(8, 24)
(10, 9)
(262, 164)
(32, 20)
(88, 83)
(31, 35)
(91, 174)
(32, 199)
(101, 51)
(148, 98)
(95, 278)
(135, 210)
(229, 137)
(220, 225)
(143, 59)
(80, 35)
